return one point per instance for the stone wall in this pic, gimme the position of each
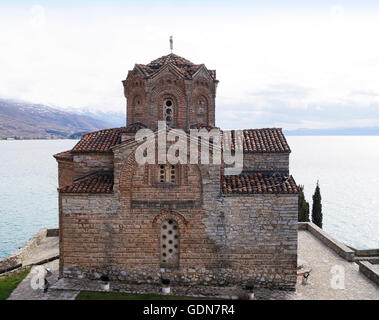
(266, 162)
(255, 244)
(258, 237)
(369, 270)
(340, 248)
(125, 243)
(85, 163)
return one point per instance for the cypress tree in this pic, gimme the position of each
(317, 207)
(303, 215)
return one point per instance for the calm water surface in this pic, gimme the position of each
(347, 168)
(348, 172)
(28, 189)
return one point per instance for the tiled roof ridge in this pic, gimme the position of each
(167, 59)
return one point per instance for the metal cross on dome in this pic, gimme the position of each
(171, 43)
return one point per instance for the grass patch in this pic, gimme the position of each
(9, 283)
(91, 295)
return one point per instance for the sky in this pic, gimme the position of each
(289, 64)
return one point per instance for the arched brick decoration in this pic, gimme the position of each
(201, 92)
(201, 111)
(167, 215)
(158, 95)
(189, 180)
(136, 106)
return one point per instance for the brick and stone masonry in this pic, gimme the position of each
(188, 222)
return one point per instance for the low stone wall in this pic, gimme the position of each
(302, 226)
(359, 253)
(341, 249)
(364, 258)
(24, 252)
(14, 271)
(369, 271)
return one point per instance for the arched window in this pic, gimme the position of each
(137, 100)
(168, 111)
(202, 110)
(169, 243)
(137, 110)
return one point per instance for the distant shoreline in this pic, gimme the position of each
(26, 139)
(289, 134)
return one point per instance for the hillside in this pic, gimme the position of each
(22, 120)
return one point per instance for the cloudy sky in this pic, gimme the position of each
(291, 64)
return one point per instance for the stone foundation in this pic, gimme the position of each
(186, 277)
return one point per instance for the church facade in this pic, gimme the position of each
(190, 223)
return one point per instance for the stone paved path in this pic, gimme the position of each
(24, 291)
(326, 265)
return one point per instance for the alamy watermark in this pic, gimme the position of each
(337, 280)
(204, 146)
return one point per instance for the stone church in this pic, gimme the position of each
(190, 223)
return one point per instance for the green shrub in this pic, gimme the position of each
(9, 283)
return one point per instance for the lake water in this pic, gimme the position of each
(347, 168)
(348, 172)
(28, 189)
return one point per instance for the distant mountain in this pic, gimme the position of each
(370, 131)
(22, 120)
(116, 119)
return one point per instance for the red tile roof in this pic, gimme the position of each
(184, 66)
(253, 183)
(270, 140)
(99, 141)
(98, 182)
(65, 155)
